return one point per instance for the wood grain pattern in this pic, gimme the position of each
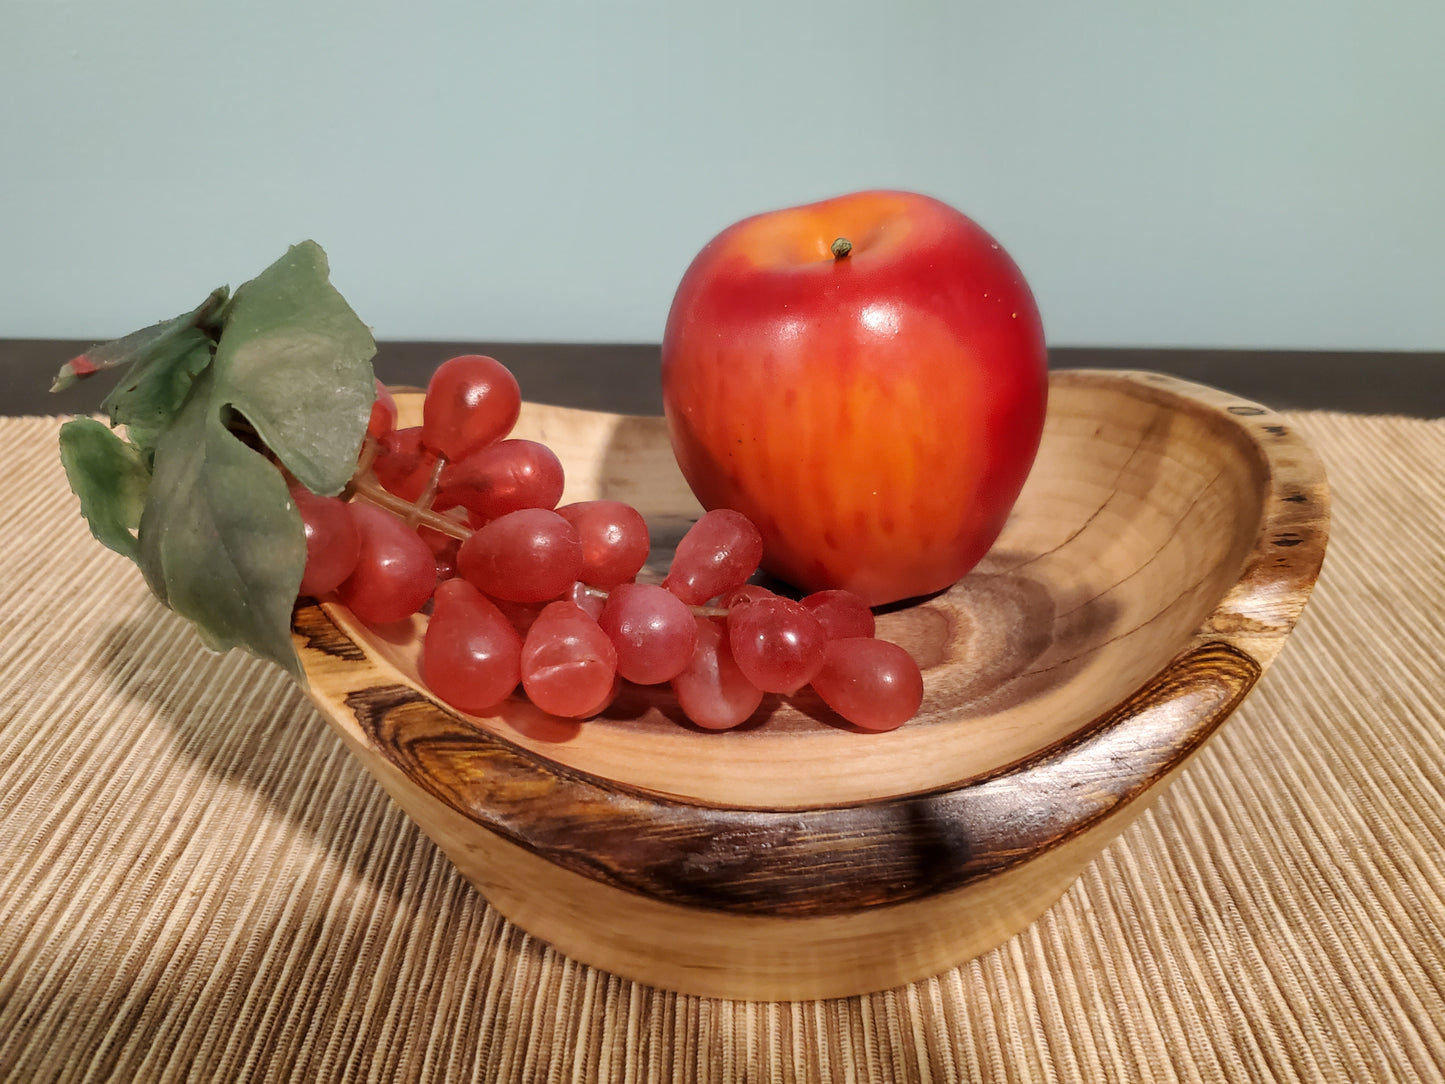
(820, 861)
(1160, 554)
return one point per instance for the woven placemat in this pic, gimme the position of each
(199, 883)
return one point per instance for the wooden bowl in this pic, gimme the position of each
(1161, 552)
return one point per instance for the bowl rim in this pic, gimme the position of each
(840, 858)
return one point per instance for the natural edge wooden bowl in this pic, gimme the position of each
(1162, 550)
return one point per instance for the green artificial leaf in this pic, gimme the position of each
(295, 361)
(156, 387)
(220, 540)
(281, 370)
(138, 345)
(110, 478)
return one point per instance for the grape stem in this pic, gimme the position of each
(365, 486)
(429, 494)
(368, 488)
(700, 611)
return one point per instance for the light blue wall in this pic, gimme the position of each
(1213, 174)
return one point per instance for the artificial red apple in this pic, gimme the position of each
(865, 378)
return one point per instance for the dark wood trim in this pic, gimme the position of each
(819, 861)
(622, 377)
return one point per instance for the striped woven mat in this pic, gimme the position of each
(197, 882)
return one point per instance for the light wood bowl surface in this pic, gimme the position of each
(1162, 550)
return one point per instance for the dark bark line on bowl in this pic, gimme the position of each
(809, 862)
(319, 633)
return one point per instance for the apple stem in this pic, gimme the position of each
(841, 247)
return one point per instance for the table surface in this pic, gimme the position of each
(201, 883)
(623, 378)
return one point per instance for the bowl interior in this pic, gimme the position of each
(1136, 522)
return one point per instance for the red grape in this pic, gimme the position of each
(589, 600)
(332, 544)
(615, 540)
(383, 413)
(471, 401)
(841, 613)
(520, 614)
(777, 643)
(444, 548)
(471, 655)
(395, 572)
(718, 553)
(530, 555)
(712, 691)
(653, 631)
(871, 683)
(744, 595)
(546, 598)
(446, 560)
(569, 665)
(438, 539)
(502, 478)
(402, 465)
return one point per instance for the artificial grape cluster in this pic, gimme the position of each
(456, 515)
